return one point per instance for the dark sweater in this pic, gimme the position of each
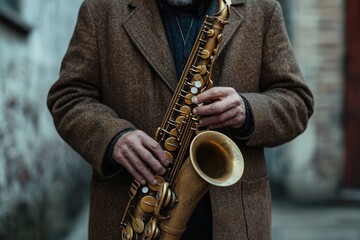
(190, 20)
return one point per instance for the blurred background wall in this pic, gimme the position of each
(311, 168)
(44, 184)
(322, 164)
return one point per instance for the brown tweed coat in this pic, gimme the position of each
(118, 72)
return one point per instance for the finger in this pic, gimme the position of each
(140, 141)
(156, 150)
(236, 122)
(214, 108)
(128, 166)
(211, 94)
(152, 145)
(127, 152)
(139, 165)
(216, 119)
(152, 162)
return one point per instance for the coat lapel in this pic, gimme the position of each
(145, 28)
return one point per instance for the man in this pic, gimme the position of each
(118, 77)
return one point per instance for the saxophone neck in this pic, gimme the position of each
(223, 9)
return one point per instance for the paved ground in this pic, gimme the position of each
(291, 221)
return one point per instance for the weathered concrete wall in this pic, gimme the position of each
(311, 166)
(43, 183)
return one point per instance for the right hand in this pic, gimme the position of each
(137, 152)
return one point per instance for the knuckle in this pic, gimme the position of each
(219, 118)
(119, 159)
(238, 119)
(134, 173)
(228, 89)
(158, 169)
(237, 101)
(236, 111)
(125, 138)
(138, 133)
(128, 138)
(139, 166)
(124, 152)
(216, 109)
(154, 145)
(148, 157)
(118, 153)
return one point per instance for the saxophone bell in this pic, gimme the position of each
(214, 160)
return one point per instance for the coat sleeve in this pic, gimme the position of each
(284, 104)
(74, 100)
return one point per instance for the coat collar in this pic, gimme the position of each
(144, 27)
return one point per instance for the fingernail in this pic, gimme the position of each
(167, 162)
(143, 182)
(154, 182)
(195, 111)
(194, 100)
(163, 171)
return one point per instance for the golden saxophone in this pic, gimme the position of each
(162, 211)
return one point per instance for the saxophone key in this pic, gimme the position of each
(199, 69)
(185, 110)
(204, 54)
(147, 204)
(203, 69)
(198, 77)
(188, 99)
(133, 188)
(170, 200)
(157, 133)
(157, 187)
(210, 32)
(171, 144)
(169, 156)
(161, 196)
(202, 41)
(138, 225)
(219, 38)
(174, 132)
(179, 121)
(194, 90)
(145, 189)
(152, 231)
(128, 233)
(198, 84)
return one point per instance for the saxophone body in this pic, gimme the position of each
(196, 163)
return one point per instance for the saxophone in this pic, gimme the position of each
(210, 158)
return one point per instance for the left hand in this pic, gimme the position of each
(223, 107)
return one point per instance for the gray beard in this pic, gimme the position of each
(177, 3)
